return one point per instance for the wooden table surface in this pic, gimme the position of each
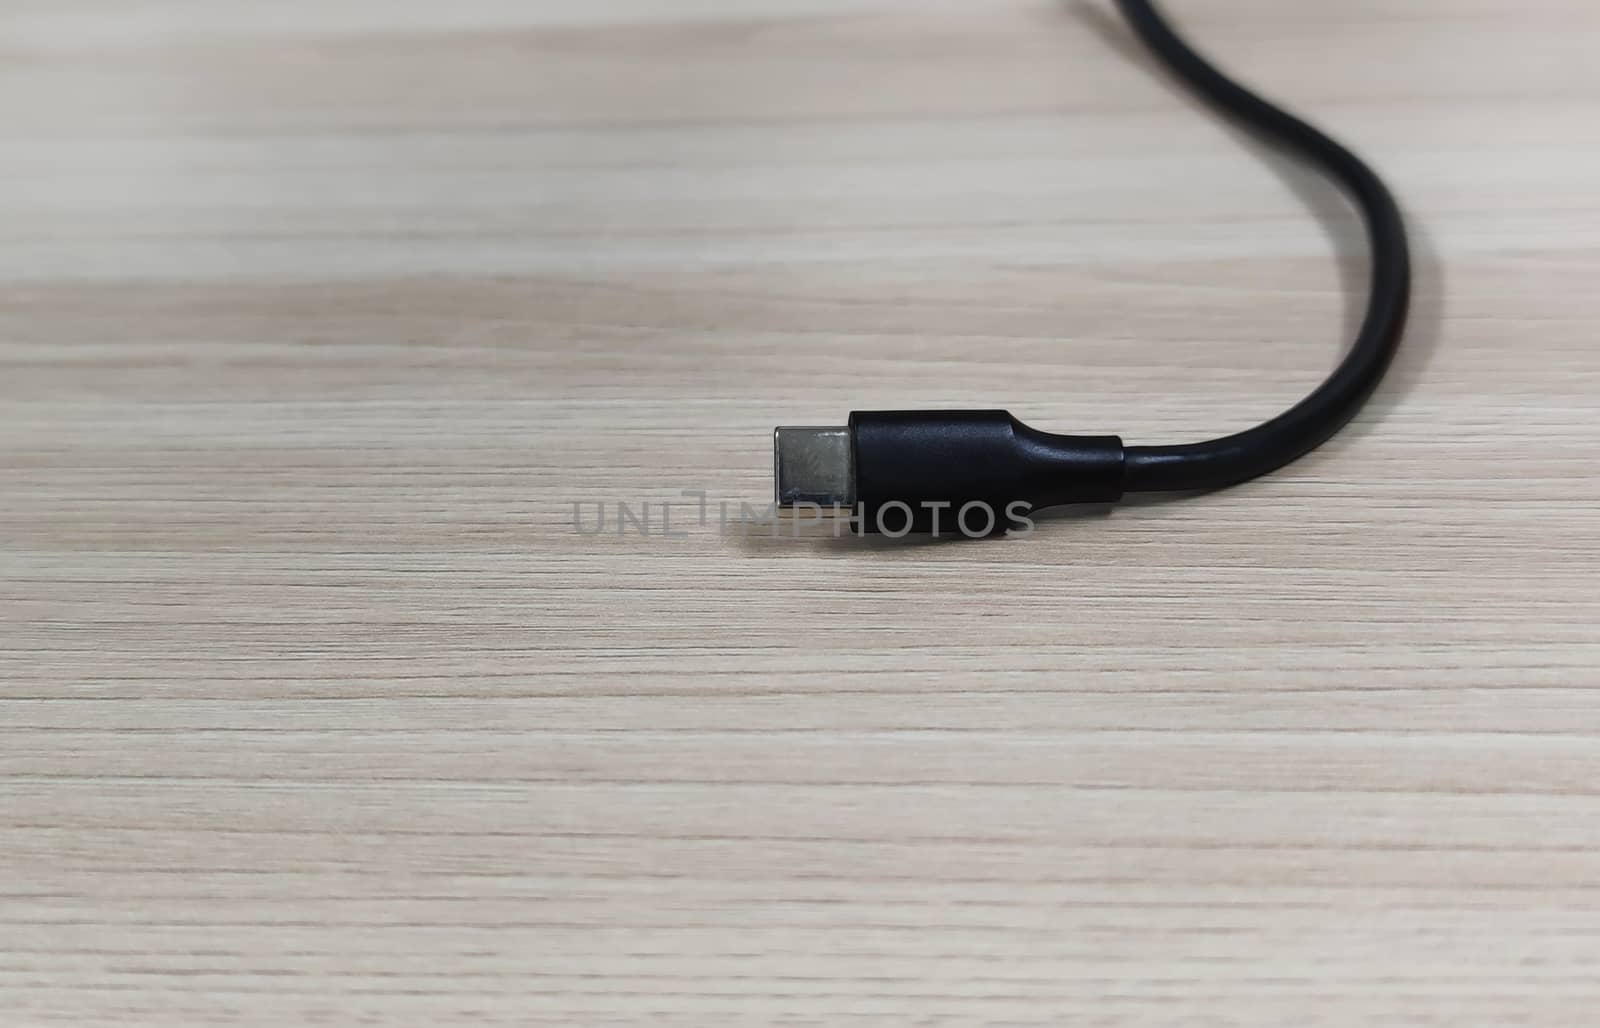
(316, 320)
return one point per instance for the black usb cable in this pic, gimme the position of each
(898, 471)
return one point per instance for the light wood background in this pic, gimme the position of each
(316, 319)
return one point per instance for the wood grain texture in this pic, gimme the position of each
(317, 319)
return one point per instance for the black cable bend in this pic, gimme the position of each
(1312, 421)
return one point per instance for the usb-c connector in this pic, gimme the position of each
(908, 470)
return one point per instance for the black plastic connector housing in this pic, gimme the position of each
(919, 470)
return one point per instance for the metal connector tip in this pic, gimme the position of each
(813, 466)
